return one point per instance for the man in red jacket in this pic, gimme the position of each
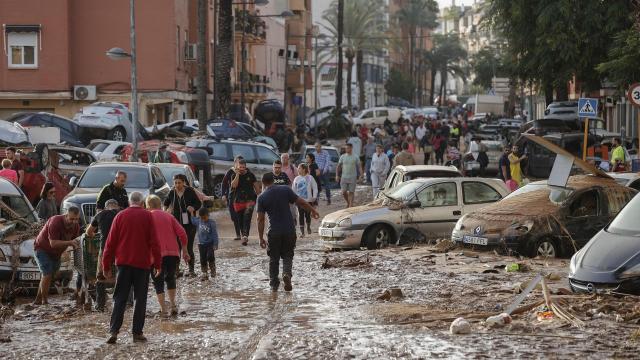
(132, 243)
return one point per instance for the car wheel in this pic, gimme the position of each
(217, 187)
(378, 236)
(42, 150)
(545, 248)
(117, 134)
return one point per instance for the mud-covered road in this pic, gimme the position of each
(334, 313)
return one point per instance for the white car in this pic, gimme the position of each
(16, 215)
(107, 150)
(430, 207)
(628, 179)
(377, 116)
(107, 120)
(188, 126)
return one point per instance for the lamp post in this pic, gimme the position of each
(316, 72)
(119, 54)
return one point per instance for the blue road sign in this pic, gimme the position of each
(587, 107)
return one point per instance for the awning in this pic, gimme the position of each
(153, 102)
(22, 28)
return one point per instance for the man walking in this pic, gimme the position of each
(281, 236)
(226, 191)
(369, 150)
(59, 232)
(132, 243)
(404, 157)
(102, 222)
(618, 160)
(347, 174)
(379, 169)
(279, 177)
(16, 164)
(323, 160)
(114, 190)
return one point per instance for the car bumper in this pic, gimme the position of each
(631, 286)
(497, 240)
(336, 238)
(30, 278)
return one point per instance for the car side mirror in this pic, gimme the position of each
(196, 184)
(413, 204)
(73, 181)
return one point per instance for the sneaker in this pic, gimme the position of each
(245, 240)
(139, 338)
(287, 282)
(204, 277)
(309, 230)
(112, 339)
(302, 232)
(237, 238)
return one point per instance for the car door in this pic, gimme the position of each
(439, 210)
(476, 195)
(221, 157)
(159, 183)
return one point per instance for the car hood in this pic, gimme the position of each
(25, 249)
(361, 214)
(608, 252)
(96, 121)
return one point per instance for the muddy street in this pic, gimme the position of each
(334, 311)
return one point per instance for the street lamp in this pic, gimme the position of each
(117, 53)
(315, 83)
(243, 67)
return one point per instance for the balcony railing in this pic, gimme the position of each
(254, 84)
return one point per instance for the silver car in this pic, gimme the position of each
(430, 206)
(108, 120)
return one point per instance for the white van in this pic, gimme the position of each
(376, 116)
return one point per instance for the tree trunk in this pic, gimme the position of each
(562, 93)
(412, 49)
(224, 54)
(202, 65)
(419, 85)
(548, 92)
(339, 73)
(433, 85)
(360, 77)
(443, 87)
(349, 57)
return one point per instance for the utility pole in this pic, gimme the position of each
(286, 66)
(202, 65)
(134, 80)
(214, 58)
(243, 57)
(304, 78)
(339, 73)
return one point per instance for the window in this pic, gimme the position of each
(220, 151)
(367, 115)
(478, 193)
(245, 151)
(22, 50)
(382, 113)
(98, 147)
(585, 205)
(70, 157)
(266, 156)
(445, 194)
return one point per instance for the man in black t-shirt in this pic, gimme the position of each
(279, 177)
(102, 222)
(114, 190)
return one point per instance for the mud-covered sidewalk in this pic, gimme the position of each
(334, 311)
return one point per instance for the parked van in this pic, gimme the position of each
(376, 116)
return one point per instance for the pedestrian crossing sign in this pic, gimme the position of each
(587, 107)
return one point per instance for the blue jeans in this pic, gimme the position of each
(324, 179)
(47, 264)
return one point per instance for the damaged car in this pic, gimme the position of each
(611, 260)
(18, 267)
(402, 173)
(428, 208)
(543, 220)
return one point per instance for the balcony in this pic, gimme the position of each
(254, 84)
(255, 28)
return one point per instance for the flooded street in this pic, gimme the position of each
(334, 313)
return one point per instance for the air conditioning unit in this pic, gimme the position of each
(84, 92)
(190, 52)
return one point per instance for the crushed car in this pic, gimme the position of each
(611, 259)
(402, 173)
(428, 207)
(18, 229)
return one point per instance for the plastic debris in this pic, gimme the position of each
(460, 326)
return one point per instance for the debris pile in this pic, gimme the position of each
(346, 262)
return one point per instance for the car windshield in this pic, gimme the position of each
(169, 172)
(557, 195)
(18, 204)
(626, 222)
(97, 177)
(404, 191)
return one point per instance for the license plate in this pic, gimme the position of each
(326, 233)
(474, 240)
(29, 276)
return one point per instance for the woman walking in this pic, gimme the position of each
(181, 202)
(314, 171)
(244, 192)
(307, 189)
(47, 207)
(167, 230)
(427, 147)
(439, 147)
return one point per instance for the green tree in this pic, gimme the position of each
(622, 68)
(399, 85)
(445, 58)
(486, 64)
(224, 58)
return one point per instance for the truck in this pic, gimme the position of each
(488, 104)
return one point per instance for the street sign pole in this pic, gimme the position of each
(586, 138)
(587, 109)
(634, 97)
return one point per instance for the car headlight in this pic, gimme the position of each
(345, 222)
(65, 207)
(523, 228)
(633, 272)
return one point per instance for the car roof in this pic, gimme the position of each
(123, 164)
(171, 165)
(8, 187)
(410, 168)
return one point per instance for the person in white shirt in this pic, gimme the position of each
(379, 169)
(421, 131)
(357, 144)
(306, 188)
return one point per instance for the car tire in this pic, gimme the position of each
(42, 153)
(117, 134)
(545, 247)
(217, 187)
(378, 236)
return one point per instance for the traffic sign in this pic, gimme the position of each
(587, 107)
(634, 94)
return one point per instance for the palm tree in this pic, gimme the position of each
(339, 34)
(445, 58)
(224, 60)
(360, 30)
(417, 14)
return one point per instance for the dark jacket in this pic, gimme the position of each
(111, 191)
(180, 205)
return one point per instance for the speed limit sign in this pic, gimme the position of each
(634, 94)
